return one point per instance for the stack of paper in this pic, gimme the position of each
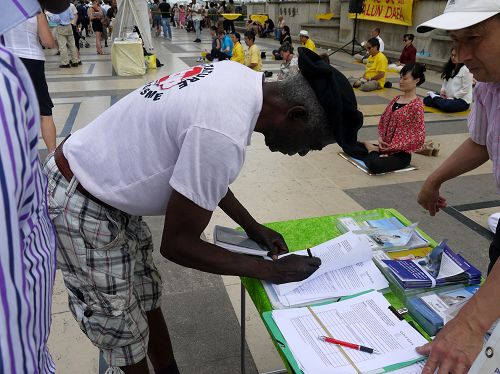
(346, 269)
(418, 273)
(365, 320)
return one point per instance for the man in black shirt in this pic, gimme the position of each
(165, 19)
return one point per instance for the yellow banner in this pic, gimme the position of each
(389, 11)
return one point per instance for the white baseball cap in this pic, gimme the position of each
(460, 14)
(303, 33)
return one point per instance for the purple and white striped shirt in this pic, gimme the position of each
(484, 120)
(27, 238)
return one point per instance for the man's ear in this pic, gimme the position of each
(297, 113)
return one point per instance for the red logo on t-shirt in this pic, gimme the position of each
(172, 80)
(154, 90)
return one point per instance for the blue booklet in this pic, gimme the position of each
(434, 309)
(421, 273)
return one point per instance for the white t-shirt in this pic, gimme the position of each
(105, 8)
(179, 132)
(75, 13)
(382, 45)
(196, 8)
(23, 40)
(460, 86)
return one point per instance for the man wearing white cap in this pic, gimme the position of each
(474, 27)
(306, 41)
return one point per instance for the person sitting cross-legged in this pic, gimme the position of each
(290, 64)
(252, 56)
(285, 37)
(376, 69)
(215, 45)
(306, 41)
(408, 54)
(268, 28)
(456, 91)
(238, 51)
(226, 48)
(401, 129)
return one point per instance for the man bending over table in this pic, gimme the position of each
(137, 159)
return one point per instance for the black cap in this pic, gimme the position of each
(336, 96)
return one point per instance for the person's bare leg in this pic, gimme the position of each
(98, 42)
(159, 347)
(48, 128)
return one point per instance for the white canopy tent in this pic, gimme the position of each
(133, 13)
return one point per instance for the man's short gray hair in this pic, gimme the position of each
(296, 91)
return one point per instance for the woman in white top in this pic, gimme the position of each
(24, 42)
(456, 91)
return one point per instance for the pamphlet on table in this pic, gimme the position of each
(441, 267)
(387, 234)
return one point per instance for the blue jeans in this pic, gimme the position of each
(277, 33)
(197, 28)
(165, 22)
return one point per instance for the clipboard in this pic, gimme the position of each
(292, 365)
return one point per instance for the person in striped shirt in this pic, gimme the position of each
(27, 237)
(474, 27)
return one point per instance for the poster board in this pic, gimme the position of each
(399, 12)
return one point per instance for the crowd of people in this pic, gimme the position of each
(92, 209)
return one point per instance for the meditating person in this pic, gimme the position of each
(401, 129)
(306, 41)
(408, 54)
(290, 64)
(252, 56)
(279, 28)
(238, 52)
(268, 28)
(216, 44)
(456, 91)
(363, 57)
(376, 69)
(284, 38)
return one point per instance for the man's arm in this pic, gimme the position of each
(466, 157)
(237, 212)
(460, 341)
(181, 243)
(380, 75)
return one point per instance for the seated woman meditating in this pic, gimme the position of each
(284, 38)
(401, 129)
(456, 91)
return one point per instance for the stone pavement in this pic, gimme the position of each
(202, 310)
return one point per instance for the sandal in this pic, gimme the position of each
(429, 149)
(435, 151)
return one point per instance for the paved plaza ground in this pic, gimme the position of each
(202, 310)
